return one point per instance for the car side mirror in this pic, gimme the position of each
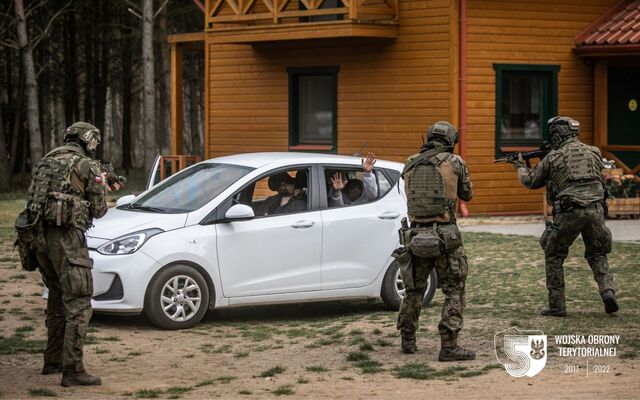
(125, 200)
(239, 212)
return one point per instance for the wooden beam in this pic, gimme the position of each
(186, 37)
(176, 99)
(600, 101)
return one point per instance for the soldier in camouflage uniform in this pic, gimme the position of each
(67, 191)
(572, 172)
(434, 179)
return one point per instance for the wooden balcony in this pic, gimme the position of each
(253, 21)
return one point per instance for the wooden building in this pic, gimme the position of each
(343, 76)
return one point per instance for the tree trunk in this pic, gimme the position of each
(33, 112)
(89, 15)
(101, 67)
(127, 81)
(17, 123)
(71, 107)
(5, 172)
(149, 91)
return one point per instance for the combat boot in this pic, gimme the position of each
(71, 378)
(610, 302)
(553, 312)
(49, 369)
(456, 354)
(409, 343)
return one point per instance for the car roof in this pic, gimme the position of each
(259, 160)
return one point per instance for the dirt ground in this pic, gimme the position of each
(344, 350)
(225, 355)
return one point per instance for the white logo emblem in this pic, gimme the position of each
(521, 352)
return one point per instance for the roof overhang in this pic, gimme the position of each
(193, 40)
(615, 33)
(608, 50)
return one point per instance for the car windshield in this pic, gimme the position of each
(191, 189)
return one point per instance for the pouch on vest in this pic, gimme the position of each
(405, 264)
(30, 239)
(426, 243)
(451, 237)
(66, 210)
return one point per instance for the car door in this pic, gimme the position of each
(273, 254)
(357, 240)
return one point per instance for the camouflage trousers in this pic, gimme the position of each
(557, 239)
(66, 270)
(452, 272)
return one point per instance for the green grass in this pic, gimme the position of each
(241, 354)
(111, 339)
(226, 379)
(273, 371)
(284, 390)
(178, 389)
(423, 371)
(42, 392)
(316, 368)
(205, 382)
(302, 380)
(357, 356)
(245, 392)
(148, 393)
(102, 351)
(18, 344)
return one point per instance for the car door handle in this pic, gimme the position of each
(389, 215)
(303, 224)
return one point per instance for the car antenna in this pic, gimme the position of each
(357, 154)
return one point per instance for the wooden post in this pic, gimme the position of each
(176, 99)
(600, 102)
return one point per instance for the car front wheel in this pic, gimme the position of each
(393, 288)
(177, 298)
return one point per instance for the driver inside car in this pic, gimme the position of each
(286, 201)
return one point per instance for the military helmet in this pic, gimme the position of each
(443, 130)
(87, 133)
(562, 129)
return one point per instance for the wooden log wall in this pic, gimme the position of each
(388, 90)
(522, 32)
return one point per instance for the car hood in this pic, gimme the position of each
(120, 222)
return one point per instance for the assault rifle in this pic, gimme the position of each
(527, 155)
(112, 178)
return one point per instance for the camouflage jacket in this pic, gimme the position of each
(552, 171)
(84, 180)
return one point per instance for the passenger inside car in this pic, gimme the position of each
(345, 190)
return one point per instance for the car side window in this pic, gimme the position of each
(350, 186)
(282, 192)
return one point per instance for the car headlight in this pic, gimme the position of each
(128, 244)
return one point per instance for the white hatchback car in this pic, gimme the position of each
(207, 237)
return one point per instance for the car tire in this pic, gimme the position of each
(168, 305)
(393, 287)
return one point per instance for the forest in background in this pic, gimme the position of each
(105, 62)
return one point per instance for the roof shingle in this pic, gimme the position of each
(621, 25)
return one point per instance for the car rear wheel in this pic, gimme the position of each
(393, 288)
(177, 298)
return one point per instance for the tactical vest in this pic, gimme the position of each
(576, 163)
(431, 187)
(51, 178)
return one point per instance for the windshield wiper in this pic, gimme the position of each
(146, 208)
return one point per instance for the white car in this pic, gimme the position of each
(207, 238)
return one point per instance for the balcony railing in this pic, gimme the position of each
(278, 12)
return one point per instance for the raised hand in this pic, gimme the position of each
(337, 182)
(368, 162)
